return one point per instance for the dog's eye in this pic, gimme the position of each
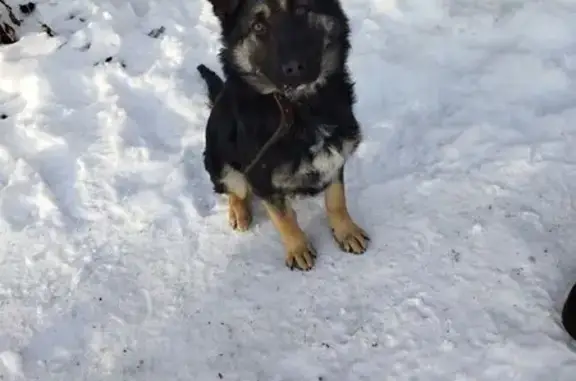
(258, 27)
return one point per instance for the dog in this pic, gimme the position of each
(281, 124)
(569, 313)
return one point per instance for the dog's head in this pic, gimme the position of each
(285, 46)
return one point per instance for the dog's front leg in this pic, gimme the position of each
(299, 252)
(349, 236)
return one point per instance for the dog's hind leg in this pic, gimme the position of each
(239, 214)
(238, 191)
(299, 253)
(349, 236)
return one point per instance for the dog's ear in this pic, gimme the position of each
(223, 8)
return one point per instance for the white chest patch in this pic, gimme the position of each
(323, 168)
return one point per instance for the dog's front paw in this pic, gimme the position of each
(301, 257)
(351, 238)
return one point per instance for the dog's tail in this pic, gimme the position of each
(213, 81)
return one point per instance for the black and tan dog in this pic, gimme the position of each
(282, 123)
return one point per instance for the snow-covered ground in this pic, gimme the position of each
(117, 262)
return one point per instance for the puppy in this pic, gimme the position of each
(282, 123)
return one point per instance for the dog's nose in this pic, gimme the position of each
(293, 69)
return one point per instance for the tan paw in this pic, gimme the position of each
(301, 257)
(239, 216)
(351, 238)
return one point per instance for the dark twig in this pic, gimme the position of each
(13, 17)
(7, 32)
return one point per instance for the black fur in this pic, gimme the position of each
(245, 117)
(214, 83)
(569, 313)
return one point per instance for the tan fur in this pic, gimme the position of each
(238, 190)
(239, 213)
(299, 252)
(349, 236)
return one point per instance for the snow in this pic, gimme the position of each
(116, 260)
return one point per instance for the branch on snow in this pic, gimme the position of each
(8, 24)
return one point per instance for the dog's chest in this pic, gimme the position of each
(325, 157)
